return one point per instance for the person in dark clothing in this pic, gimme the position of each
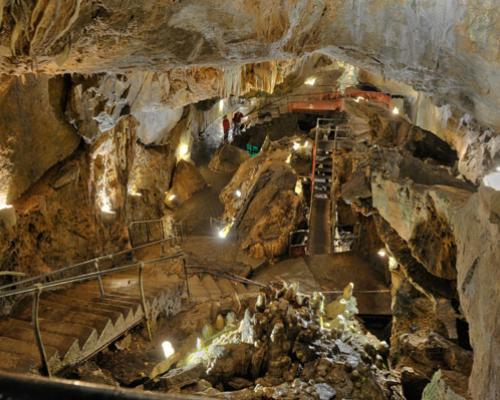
(226, 126)
(237, 117)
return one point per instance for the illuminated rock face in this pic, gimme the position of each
(31, 142)
(448, 48)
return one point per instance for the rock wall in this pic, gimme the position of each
(442, 234)
(473, 219)
(31, 142)
(82, 206)
(267, 208)
(447, 48)
(157, 99)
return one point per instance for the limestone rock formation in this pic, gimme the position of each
(187, 181)
(82, 37)
(34, 133)
(439, 389)
(227, 158)
(267, 209)
(281, 348)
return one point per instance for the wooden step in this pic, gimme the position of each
(86, 336)
(209, 283)
(52, 301)
(30, 350)
(67, 347)
(197, 290)
(94, 304)
(11, 362)
(225, 286)
(69, 315)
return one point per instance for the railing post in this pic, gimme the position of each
(186, 277)
(143, 300)
(36, 328)
(162, 244)
(99, 278)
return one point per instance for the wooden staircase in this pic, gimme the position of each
(205, 287)
(77, 322)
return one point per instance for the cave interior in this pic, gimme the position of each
(289, 200)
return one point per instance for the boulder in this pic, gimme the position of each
(187, 181)
(228, 158)
(446, 385)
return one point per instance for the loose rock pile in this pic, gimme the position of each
(290, 346)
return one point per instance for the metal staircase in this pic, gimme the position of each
(331, 135)
(321, 181)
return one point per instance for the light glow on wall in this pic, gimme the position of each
(3, 202)
(382, 253)
(395, 111)
(168, 349)
(492, 180)
(183, 150)
(132, 191)
(298, 187)
(237, 193)
(105, 202)
(223, 232)
(311, 81)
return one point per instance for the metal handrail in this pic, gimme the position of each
(82, 263)
(310, 94)
(32, 387)
(88, 276)
(37, 288)
(178, 232)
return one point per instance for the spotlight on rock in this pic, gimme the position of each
(171, 197)
(382, 253)
(311, 81)
(183, 151)
(395, 111)
(168, 349)
(238, 193)
(497, 169)
(296, 146)
(223, 233)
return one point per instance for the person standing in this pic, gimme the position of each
(226, 126)
(237, 117)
